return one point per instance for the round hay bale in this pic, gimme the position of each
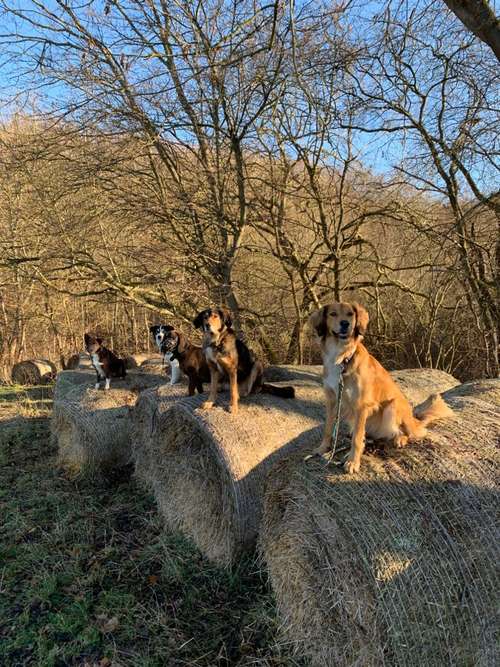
(154, 365)
(417, 384)
(72, 362)
(397, 565)
(149, 414)
(136, 360)
(288, 373)
(33, 372)
(207, 469)
(92, 427)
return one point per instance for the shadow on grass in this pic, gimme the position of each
(90, 577)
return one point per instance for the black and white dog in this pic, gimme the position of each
(159, 333)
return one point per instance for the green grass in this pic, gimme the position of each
(88, 577)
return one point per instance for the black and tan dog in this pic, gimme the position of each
(228, 357)
(105, 362)
(191, 359)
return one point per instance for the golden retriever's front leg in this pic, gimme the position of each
(353, 461)
(214, 384)
(233, 392)
(326, 442)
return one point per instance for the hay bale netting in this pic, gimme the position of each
(148, 414)
(92, 427)
(398, 565)
(208, 469)
(33, 372)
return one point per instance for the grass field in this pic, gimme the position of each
(89, 578)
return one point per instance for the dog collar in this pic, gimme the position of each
(345, 363)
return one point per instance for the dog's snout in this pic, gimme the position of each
(344, 324)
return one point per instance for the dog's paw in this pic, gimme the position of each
(233, 409)
(97, 385)
(207, 405)
(351, 467)
(401, 441)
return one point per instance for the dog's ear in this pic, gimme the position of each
(152, 329)
(99, 341)
(86, 337)
(226, 318)
(181, 342)
(198, 320)
(318, 321)
(362, 319)
(168, 327)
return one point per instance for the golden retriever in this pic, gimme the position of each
(372, 403)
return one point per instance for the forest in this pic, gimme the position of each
(157, 157)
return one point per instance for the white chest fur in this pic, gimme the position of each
(334, 353)
(212, 357)
(97, 364)
(332, 377)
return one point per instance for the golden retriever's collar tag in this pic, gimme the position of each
(345, 363)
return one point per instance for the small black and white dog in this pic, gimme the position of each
(159, 333)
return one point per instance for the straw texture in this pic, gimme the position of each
(92, 427)
(398, 565)
(208, 469)
(33, 372)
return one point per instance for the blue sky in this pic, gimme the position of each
(380, 151)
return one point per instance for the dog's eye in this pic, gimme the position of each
(350, 314)
(334, 314)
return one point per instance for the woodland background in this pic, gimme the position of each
(158, 156)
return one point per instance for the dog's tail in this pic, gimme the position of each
(284, 392)
(432, 409)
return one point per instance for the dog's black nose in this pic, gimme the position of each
(344, 324)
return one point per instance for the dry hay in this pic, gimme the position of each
(92, 427)
(155, 365)
(417, 383)
(208, 469)
(397, 565)
(136, 360)
(33, 372)
(148, 414)
(71, 363)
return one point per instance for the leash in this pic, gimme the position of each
(335, 432)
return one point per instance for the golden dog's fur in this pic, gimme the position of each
(372, 403)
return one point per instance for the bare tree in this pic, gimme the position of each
(478, 17)
(421, 84)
